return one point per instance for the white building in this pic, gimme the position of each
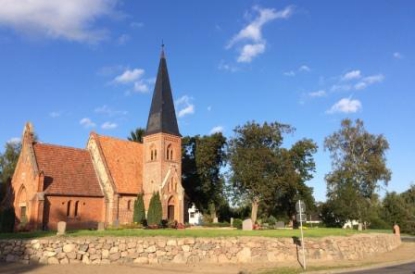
(195, 217)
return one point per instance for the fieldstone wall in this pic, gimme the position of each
(155, 250)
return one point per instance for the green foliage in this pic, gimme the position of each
(139, 210)
(359, 164)
(267, 174)
(155, 211)
(202, 159)
(7, 219)
(237, 223)
(271, 220)
(137, 135)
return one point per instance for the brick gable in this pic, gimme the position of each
(124, 160)
(68, 171)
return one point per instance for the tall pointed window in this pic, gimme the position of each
(76, 209)
(169, 152)
(68, 209)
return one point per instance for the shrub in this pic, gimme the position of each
(7, 219)
(271, 220)
(155, 211)
(237, 223)
(139, 210)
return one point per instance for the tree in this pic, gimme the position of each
(263, 171)
(359, 165)
(139, 210)
(155, 211)
(8, 162)
(203, 157)
(137, 135)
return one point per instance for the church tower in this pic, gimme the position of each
(162, 149)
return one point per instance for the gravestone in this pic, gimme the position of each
(396, 230)
(61, 228)
(279, 225)
(101, 226)
(231, 221)
(215, 220)
(247, 224)
(360, 227)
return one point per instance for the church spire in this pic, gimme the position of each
(162, 116)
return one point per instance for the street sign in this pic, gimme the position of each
(300, 206)
(303, 217)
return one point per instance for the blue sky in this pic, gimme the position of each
(72, 67)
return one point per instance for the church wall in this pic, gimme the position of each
(77, 212)
(126, 208)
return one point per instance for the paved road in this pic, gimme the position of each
(396, 269)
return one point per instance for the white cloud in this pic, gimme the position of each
(304, 68)
(351, 75)
(55, 114)
(228, 67)
(250, 51)
(345, 105)
(252, 33)
(141, 86)
(216, 129)
(369, 80)
(109, 125)
(319, 93)
(184, 106)
(123, 39)
(71, 20)
(397, 55)
(87, 123)
(289, 73)
(14, 140)
(109, 111)
(129, 76)
(335, 88)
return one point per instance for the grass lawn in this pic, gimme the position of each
(207, 232)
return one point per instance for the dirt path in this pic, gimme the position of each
(404, 253)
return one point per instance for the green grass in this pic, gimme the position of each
(210, 232)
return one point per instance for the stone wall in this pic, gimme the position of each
(154, 250)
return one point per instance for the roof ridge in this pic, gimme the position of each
(59, 146)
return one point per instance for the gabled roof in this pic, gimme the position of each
(124, 160)
(68, 171)
(162, 116)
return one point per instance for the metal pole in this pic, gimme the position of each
(302, 235)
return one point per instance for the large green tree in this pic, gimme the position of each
(264, 171)
(8, 162)
(139, 209)
(155, 211)
(358, 168)
(203, 158)
(137, 135)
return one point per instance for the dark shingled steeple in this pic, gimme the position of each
(162, 116)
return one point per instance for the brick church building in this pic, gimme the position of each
(100, 183)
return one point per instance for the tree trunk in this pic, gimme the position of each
(254, 210)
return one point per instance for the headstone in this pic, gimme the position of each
(116, 223)
(247, 224)
(101, 226)
(396, 230)
(231, 221)
(360, 227)
(61, 228)
(215, 220)
(279, 224)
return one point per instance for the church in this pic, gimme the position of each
(100, 183)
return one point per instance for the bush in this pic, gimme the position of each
(237, 223)
(139, 210)
(155, 211)
(223, 224)
(271, 220)
(7, 219)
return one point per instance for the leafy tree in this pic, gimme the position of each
(137, 135)
(8, 162)
(155, 211)
(139, 209)
(359, 164)
(203, 157)
(263, 171)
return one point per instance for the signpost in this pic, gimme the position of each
(300, 208)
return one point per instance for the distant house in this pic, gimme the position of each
(100, 183)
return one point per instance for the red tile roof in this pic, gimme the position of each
(125, 163)
(68, 171)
